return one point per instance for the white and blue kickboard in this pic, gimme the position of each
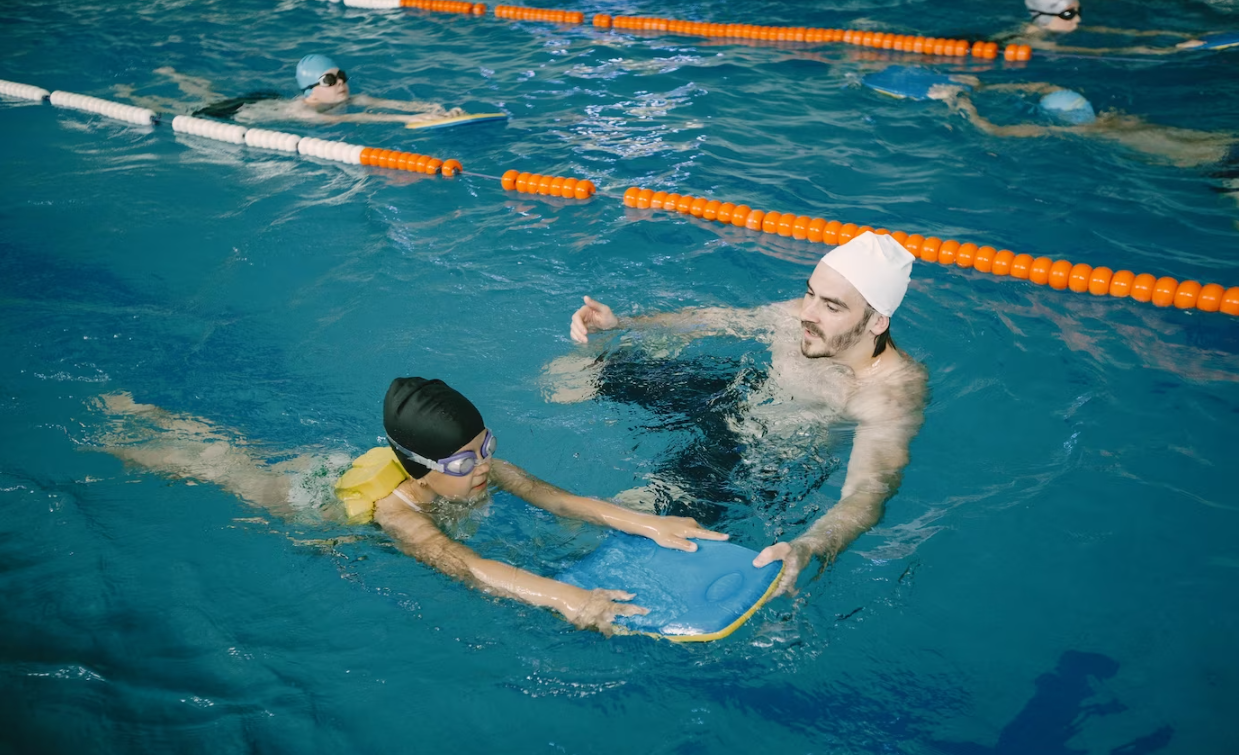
(1219, 41)
(458, 120)
(693, 597)
(907, 82)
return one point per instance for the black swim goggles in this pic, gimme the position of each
(329, 79)
(1066, 15)
(459, 464)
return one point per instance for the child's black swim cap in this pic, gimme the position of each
(430, 419)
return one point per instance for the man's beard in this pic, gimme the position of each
(835, 344)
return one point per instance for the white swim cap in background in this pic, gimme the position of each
(878, 266)
(1068, 106)
(1044, 10)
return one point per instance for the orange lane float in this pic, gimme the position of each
(555, 186)
(443, 6)
(520, 13)
(414, 163)
(879, 40)
(1042, 271)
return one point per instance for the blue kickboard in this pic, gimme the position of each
(1219, 41)
(907, 82)
(698, 596)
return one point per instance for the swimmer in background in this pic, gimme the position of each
(832, 361)
(447, 467)
(324, 89)
(1073, 115)
(1051, 18)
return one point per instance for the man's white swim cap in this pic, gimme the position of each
(878, 266)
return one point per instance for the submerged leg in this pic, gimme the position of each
(187, 447)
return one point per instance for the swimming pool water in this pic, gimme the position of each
(1057, 573)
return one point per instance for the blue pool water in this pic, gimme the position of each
(1056, 575)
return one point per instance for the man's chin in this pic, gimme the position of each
(812, 350)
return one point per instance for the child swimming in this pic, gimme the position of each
(440, 458)
(324, 96)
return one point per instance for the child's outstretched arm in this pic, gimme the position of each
(667, 531)
(415, 534)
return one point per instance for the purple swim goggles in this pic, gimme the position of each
(458, 464)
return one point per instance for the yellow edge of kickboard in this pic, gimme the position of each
(456, 119)
(733, 626)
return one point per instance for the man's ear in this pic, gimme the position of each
(878, 323)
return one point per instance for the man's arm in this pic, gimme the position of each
(887, 420)
(416, 535)
(667, 531)
(696, 322)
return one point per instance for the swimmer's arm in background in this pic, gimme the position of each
(959, 101)
(376, 118)
(1032, 87)
(887, 420)
(407, 106)
(1131, 50)
(697, 322)
(1135, 32)
(668, 531)
(416, 535)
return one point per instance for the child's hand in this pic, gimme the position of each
(675, 531)
(598, 609)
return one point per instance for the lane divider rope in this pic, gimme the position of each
(137, 115)
(911, 43)
(1057, 274)
(23, 91)
(1164, 291)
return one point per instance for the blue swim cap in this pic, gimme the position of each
(311, 69)
(1069, 106)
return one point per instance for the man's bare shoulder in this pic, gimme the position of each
(897, 392)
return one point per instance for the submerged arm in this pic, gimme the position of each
(1135, 32)
(407, 106)
(888, 418)
(963, 103)
(416, 535)
(1035, 87)
(1049, 46)
(667, 531)
(377, 118)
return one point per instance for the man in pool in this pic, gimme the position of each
(324, 94)
(439, 461)
(832, 360)
(1052, 18)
